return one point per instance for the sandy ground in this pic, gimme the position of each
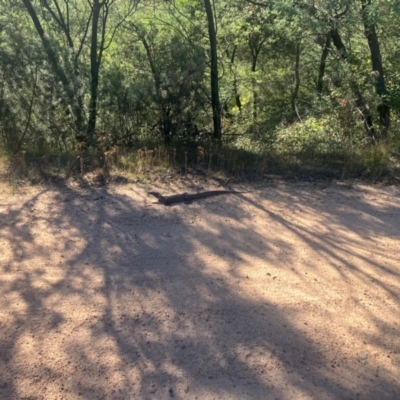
(289, 292)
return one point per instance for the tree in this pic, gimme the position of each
(95, 16)
(215, 100)
(377, 66)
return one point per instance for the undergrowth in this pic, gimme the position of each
(309, 150)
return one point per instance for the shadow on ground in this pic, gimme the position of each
(105, 295)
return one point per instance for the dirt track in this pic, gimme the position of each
(290, 292)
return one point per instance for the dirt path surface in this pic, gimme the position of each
(289, 292)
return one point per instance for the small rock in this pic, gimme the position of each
(362, 356)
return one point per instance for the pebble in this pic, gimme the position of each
(362, 356)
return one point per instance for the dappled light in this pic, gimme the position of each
(290, 291)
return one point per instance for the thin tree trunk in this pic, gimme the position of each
(255, 49)
(253, 86)
(360, 103)
(64, 25)
(52, 57)
(235, 84)
(156, 76)
(215, 101)
(255, 44)
(377, 67)
(322, 64)
(94, 71)
(165, 123)
(296, 79)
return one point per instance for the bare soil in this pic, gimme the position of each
(289, 292)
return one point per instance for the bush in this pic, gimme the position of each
(311, 138)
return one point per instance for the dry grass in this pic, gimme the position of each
(156, 162)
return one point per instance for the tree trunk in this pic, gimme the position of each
(165, 122)
(360, 103)
(94, 71)
(253, 87)
(154, 72)
(322, 64)
(377, 67)
(215, 101)
(59, 72)
(235, 83)
(255, 45)
(296, 79)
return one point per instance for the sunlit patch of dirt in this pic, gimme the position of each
(290, 291)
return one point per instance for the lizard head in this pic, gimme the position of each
(155, 194)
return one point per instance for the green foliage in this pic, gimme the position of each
(311, 138)
(155, 71)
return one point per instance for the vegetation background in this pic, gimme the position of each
(242, 87)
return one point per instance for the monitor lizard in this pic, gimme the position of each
(187, 198)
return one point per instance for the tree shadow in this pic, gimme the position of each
(103, 297)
